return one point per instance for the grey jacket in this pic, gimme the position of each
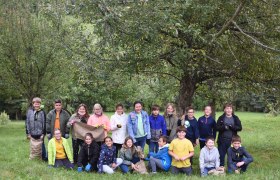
(127, 156)
(171, 126)
(63, 118)
(35, 122)
(209, 158)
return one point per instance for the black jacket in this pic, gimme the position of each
(220, 126)
(89, 154)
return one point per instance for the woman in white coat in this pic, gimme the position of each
(119, 127)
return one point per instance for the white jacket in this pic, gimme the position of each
(119, 134)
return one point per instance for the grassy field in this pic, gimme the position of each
(260, 136)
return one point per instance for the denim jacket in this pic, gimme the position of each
(132, 124)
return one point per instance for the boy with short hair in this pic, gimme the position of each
(181, 150)
(238, 157)
(157, 127)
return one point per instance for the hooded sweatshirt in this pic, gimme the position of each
(163, 155)
(209, 158)
(119, 134)
(238, 155)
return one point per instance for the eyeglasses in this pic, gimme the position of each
(191, 112)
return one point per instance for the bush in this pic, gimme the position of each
(4, 118)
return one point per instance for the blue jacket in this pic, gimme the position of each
(107, 157)
(206, 127)
(157, 126)
(192, 128)
(163, 155)
(132, 124)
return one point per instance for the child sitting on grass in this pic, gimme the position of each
(89, 154)
(181, 150)
(238, 157)
(161, 159)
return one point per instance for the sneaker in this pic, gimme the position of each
(237, 171)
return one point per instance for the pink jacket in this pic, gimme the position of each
(99, 121)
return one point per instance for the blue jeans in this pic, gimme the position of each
(141, 142)
(223, 147)
(153, 147)
(44, 152)
(232, 167)
(204, 172)
(125, 168)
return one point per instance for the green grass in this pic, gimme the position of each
(260, 136)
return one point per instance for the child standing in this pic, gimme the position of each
(238, 157)
(209, 157)
(158, 128)
(228, 124)
(118, 127)
(129, 155)
(161, 159)
(89, 154)
(206, 126)
(181, 150)
(107, 159)
(170, 117)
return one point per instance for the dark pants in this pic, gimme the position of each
(63, 162)
(223, 146)
(154, 163)
(118, 147)
(76, 144)
(125, 168)
(201, 144)
(141, 142)
(185, 170)
(153, 147)
(44, 152)
(232, 167)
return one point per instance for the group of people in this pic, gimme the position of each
(171, 139)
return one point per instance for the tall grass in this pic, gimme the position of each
(260, 136)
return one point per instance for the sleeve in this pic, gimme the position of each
(51, 152)
(129, 128)
(191, 149)
(214, 129)
(27, 122)
(179, 122)
(94, 158)
(237, 124)
(122, 156)
(196, 131)
(44, 122)
(48, 123)
(70, 119)
(201, 159)
(113, 123)
(148, 126)
(90, 121)
(220, 124)
(171, 146)
(229, 159)
(163, 126)
(108, 124)
(81, 157)
(101, 160)
(248, 156)
(67, 128)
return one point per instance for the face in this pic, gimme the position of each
(108, 142)
(210, 144)
(138, 108)
(119, 110)
(97, 110)
(207, 111)
(161, 143)
(82, 110)
(190, 113)
(181, 134)
(57, 135)
(169, 110)
(228, 111)
(129, 143)
(58, 106)
(155, 112)
(88, 140)
(236, 144)
(36, 105)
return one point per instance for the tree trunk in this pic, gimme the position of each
(186, 93)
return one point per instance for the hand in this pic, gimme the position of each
(133, 166)
(28, 136)
(148, 141)
(114, 165)
(49, 136)
(88, 167)
(226, 127)
(72, 122)
(119, 125)
(42, 137)
(66, 136)
(196, 142)
(176, 158)
(80, 169)
(104, 126)
(221, 168)
(183, 158)
(240, 164)
(231, 127)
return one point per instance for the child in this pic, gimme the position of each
(228, 124)
(129, 155)
(206, 126)
(161, 159)
(209, 157)
(158, 128)
(35, 127)
(181, 150)
(190, 123)
(238, 157)
(89, 154)
(170, 117)
(107, 159)
(118, 127)
(59, 153)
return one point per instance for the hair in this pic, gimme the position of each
(155, 107)
(181, 128)
(85, 106)
(37, 100)
(56, 129)
(164, 138)
(174, 109)
(137, 102)
(207, 106)
(209, 138)
(57, 101)
(90, 135)
(119, 105)
(97, 105)
(107, 137)
(133, 147)
(229, 105)
(189, 108)
(236, 138)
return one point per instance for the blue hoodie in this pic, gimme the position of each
(163, 155)
(157, 126)
(107, 157)
(206, 127)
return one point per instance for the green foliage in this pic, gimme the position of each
(4, 118)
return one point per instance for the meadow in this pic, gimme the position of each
(260, 136)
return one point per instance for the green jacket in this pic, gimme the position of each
(52, 151)
(63, 118)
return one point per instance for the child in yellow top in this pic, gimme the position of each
(181, 150)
